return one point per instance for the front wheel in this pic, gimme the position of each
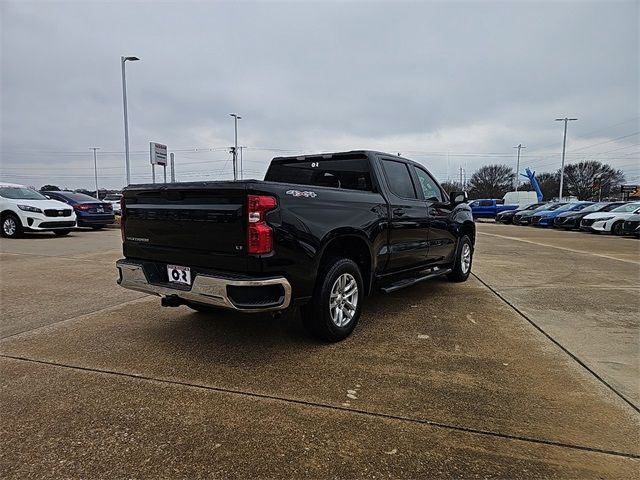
(617, 229)
(334, 310)
(11, 226)
(463, 260)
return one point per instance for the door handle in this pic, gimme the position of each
(398, 211)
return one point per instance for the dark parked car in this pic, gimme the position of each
(89, 211)
(572, 220)
(507, 216)
(524, 218)
(321, 231)
(631, 226)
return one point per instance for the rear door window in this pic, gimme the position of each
(399, 179)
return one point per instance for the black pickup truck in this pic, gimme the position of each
(321, 231)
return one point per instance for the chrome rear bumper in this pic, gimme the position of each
(206, 289)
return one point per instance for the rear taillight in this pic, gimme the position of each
(122, 217)
(82, 206)
(259, 234)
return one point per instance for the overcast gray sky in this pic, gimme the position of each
(448, 84)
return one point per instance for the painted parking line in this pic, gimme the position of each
(573, 250)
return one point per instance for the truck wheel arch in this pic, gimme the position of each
(354, 247)
(468, 228)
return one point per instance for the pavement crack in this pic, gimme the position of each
(573, 356)
(306, 403)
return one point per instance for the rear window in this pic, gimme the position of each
(346, 173)
(74, 197)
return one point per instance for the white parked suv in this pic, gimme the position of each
(114, 200)
(611, 221)
(24, 209)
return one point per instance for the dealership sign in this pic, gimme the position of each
(158, 154)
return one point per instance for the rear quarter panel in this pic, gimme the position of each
(308, 219)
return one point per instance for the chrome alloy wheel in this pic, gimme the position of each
(343, 301)
(9, 226)
(465, 258)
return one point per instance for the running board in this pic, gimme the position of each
(437, 272)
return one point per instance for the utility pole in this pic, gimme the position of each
(123, 60)
(236, 117)
(519, 147)
(95, 168)
(173, 168)
(241, 169)
(564, 147)
(461, 181)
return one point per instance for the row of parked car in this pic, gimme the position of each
(23, 209)
(618, 218)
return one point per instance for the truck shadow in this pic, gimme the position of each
(241, 339)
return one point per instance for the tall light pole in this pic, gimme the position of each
(564, 147)
(236, 117)
(95, 167)
(123, 60)
(519, 147)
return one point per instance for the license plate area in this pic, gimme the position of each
(178, 274)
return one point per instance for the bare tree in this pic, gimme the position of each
(491, 181)
(588, 179)
(549, 184)
(451, 186)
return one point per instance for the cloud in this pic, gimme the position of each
(453, 83)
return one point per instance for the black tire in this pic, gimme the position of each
(461, 269)
(11, 226)
(62, 233)
(317, 316)
(617, 228)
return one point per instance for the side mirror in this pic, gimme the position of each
(459, 197)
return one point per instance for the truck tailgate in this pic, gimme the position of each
(193, 225)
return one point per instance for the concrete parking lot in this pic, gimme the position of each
(528, 370)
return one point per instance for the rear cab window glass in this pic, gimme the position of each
(399, 179)
(345, 173)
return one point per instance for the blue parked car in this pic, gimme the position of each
(546, 219)
(90, 212)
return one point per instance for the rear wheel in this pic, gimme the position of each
(334, 310)
(62, 233)
(463, 260)
(11, 226)
(617, 228)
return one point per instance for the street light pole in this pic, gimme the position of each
(123, 60)
(564, 147)
(95, 167)
(236, 117)
(519, 147)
